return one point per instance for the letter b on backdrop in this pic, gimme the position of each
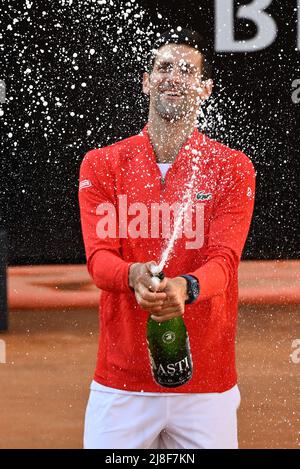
(255, 12)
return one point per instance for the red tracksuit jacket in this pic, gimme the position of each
(223, 192)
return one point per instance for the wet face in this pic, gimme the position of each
(175, 85)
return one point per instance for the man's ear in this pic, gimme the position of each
(207, 88)
(146, 83)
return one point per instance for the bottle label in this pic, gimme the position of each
(174, 368)
(171, 371)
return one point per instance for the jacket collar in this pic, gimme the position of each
(194, 142)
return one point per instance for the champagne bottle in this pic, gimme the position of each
(169, 351)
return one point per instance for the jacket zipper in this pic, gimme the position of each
(164, 179)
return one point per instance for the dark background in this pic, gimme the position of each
(50, 120)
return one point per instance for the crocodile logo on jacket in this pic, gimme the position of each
(203, 196)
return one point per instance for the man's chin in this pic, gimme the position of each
(171, 115)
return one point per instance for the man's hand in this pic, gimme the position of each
(174, 304)
(149, 296)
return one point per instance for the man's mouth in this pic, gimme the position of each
(172, 94)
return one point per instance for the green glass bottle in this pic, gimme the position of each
(169, 351)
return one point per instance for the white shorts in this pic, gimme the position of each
(121, 420)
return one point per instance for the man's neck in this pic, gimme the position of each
(168, 137)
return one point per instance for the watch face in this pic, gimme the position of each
(195, 289)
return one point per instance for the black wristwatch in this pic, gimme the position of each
(193, 288)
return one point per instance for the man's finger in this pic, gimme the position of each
(163, 284)
(149, 306)
(149, 265)
(172, 310)
(151, 296)
(164, 318)
(152, 283)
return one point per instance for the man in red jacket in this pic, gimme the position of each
(130, 195)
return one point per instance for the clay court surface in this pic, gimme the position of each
(50, 358)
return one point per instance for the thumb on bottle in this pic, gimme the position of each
(155, 282)
(151, 267)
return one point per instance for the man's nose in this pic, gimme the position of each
(175, 75)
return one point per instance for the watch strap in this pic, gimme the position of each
(191, 279)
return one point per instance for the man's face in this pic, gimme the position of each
(174, 85)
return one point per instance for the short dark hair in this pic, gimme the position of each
(185, 37)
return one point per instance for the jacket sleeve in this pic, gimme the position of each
(228, 229)
(97, 202)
